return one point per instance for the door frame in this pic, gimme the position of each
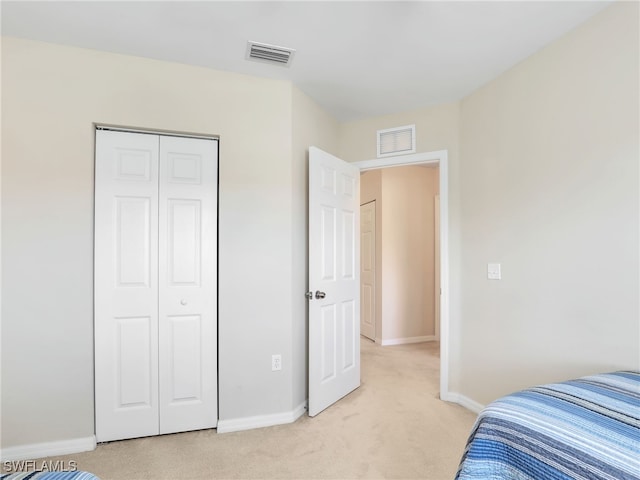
(440, 158)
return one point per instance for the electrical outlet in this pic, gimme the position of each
(276, 363)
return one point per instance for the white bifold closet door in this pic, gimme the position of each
(155, 284)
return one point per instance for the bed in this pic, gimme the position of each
(40, 475)
(583, 429)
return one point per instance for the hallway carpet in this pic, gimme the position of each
(393, 426)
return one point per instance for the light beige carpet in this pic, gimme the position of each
(393, 426)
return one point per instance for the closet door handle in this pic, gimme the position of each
(320, 295)
(183, 302)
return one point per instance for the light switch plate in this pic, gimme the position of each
(493, 271)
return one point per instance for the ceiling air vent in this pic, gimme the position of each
(263, 52)
(397, 141)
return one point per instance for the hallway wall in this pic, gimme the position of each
(405, 234)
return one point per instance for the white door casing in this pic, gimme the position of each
(368, 270)
(155, 219)
(334, 279)
(439, 158)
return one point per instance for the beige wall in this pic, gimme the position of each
(408, 263)
(405, 262)
(436, 129)
(311, 127)
(549, 180)
(51, 95)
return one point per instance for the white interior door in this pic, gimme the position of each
(155, 284)
(334, 279)
(126, 285)
(188, 289)
(368, 270)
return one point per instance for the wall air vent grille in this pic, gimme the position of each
(397, 141)
(263, 52)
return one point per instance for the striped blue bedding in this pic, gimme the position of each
(40, 475)
(583, 429)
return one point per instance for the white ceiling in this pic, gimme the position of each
(356, 59)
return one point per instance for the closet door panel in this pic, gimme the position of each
(188, 284)
(133, 241)
(133, 343)
(184, 248)
(126, 285)
(185, 350)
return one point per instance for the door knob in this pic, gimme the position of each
(183, 302)
(320, 295)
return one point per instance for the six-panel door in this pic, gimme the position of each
(334, 270)
(155, 284)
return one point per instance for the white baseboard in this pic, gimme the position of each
(463, 401)
(259, 421)
(403, 341)
(48, 449)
